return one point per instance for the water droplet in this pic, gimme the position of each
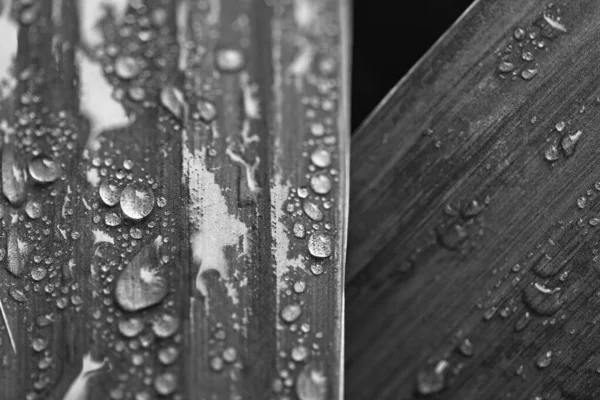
(466, 348)
(168, 355)
(529, 73)
(135, 233)
(109, 192)
(112, 219)
(527, 56)
(131, 327)
(544, 360)
(39, 344)
(299, 287)
(216, 364)
(551, 153)
(312, 210)
(560, 126)
(173, 100)
(299, 230)
(320, 183)
(165, 384)
(16, 263)
(17, 295)
(14, 177)
(299, 353)
(137, 201)
(519, 33)
(506, 66)
(38, 273)
(140, 284)
(33, 209)
(316, 269)
(311, 383)
(291, 312)
(432, 378)
(569, 142)
(44, 169)
(229, 59)
(472, 209)
(320, 245)
(453, 236)
(544, 302)
(321, 158)
(126, 67)
(165, 325)
(229, 354)
(581, 202)
(207, 110)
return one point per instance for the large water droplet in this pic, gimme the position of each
(544, 360)
(140, 285)
(137, 201)
(16, 263)
(33, 209)
(569, 142)
(320, 245)
(44, 169)
(311, 383)
(168, 355)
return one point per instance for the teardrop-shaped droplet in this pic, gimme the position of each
(16, 262)
(14, 175)
(141, 284)
(313, 210)
(172, 99)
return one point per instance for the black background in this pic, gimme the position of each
(389, 38)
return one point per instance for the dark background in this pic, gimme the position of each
(389, 38)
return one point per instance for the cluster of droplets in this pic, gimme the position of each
(517, 59)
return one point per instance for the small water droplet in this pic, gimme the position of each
(165, 325)
(321, 158)
(229, 59)
(299, 230)
(206, 110)
(544, 360)
(519, 33)
(506, 66)
(320, 183)
(229, 354)
(165, 384)
(466, 347)
(569, 142)
(291, 312)
(168, 355)
(109, 192)
(126, 67)
(112, 219)
(17, 295)
(432, 378)
(529, 73)
(33, 209)
(313, 210)
(453, 236)
(131, 327)
(173, 100)
(299, 353)
(581, 202)
(551, 153)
